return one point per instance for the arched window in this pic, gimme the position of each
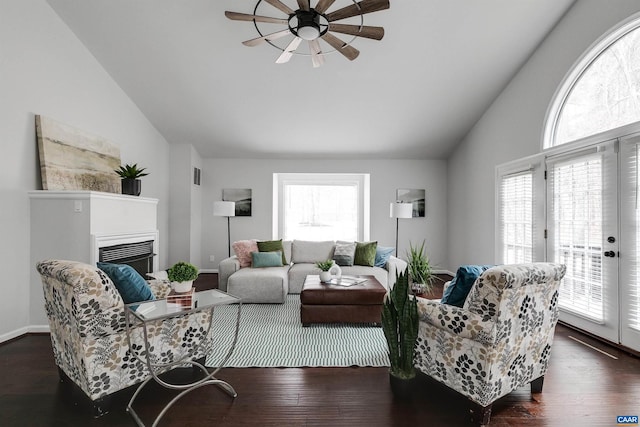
(601, 92)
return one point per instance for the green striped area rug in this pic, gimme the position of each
(271, 335)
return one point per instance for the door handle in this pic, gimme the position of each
(610, 254)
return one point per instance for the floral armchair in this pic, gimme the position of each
(88, 331)
(499, 340)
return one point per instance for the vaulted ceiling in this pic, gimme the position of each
(414, 94)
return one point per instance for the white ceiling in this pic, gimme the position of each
(414, 94)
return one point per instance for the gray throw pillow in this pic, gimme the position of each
(344, 253)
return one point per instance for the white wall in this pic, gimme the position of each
(185, 220)
(386, 177)
(512, 127)
(45, 69)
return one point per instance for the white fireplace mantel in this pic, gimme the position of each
(73, 225)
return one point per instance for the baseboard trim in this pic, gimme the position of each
(208, 270)
(18, 333)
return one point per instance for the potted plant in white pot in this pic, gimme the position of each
(400, 326)
(420, 270)
(131, 175)
(325, 266)
(182, 274)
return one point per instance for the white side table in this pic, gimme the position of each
(148, 311)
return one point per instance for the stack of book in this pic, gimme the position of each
(181, 300)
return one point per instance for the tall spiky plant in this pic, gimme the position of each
(400, 325)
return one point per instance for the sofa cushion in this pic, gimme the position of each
(266, 259)
(383, 254)
(303, 251)
(365, 254)
(129, 283)
(457, 291)
(260, 285)
(243, 249)
(344, 253)
(272, 246)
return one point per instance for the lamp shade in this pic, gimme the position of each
(401, 210)
(222, 208)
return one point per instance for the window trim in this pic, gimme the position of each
(364, 198)
(549, 129)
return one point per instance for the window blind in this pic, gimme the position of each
(630, 239)
(577, 195)
(516, 217)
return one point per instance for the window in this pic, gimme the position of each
(321, 206)
(602, 92)
(516, 217)
(577, 215)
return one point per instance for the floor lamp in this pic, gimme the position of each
(399, 210)
(227, 209)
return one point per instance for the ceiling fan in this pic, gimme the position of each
(314, 23)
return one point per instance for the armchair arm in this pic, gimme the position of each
(394, 266)
(226, 268)
(456, 321)
(160, 288)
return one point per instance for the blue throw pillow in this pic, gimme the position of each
(129, 283)
(382, 255)
(266, 259)
(459, 288)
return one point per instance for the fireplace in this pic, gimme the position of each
(138, 255)
(139, 250)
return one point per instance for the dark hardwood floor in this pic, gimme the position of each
(583, 387)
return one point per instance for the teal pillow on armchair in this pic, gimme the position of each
(129, 283)
(459, 288)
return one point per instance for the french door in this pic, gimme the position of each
(593, 227)
(582, 233)
(629, 283)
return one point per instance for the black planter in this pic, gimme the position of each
(131, 186)
(402, 389)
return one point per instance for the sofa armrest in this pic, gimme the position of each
(226, 268)
(394, 266)
(456, 321)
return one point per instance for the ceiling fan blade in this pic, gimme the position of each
(362, 7)
(323, 5)
(317, 58)
(281, 6)
(288, 51)
(236, 16)
(348, 51)
(272, 36)
(368, 32)
(304, 4)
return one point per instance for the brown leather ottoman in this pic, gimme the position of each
(325, 303)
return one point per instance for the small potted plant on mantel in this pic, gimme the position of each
(182, 275)
(131, 175)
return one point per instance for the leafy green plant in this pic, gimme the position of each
(325, 265)
(131, 171)
(419, 266)
(400, 326)
(182, 272)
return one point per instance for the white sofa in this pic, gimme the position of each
(272, 284)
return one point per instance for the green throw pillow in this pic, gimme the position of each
(272, 246)
(365, 254)
(129, 283)
(266, 259)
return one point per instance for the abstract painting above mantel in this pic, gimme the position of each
(71, 159)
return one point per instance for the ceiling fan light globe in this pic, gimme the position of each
(308, 32)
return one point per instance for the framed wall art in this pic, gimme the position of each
(414, 196)
(242, 198)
